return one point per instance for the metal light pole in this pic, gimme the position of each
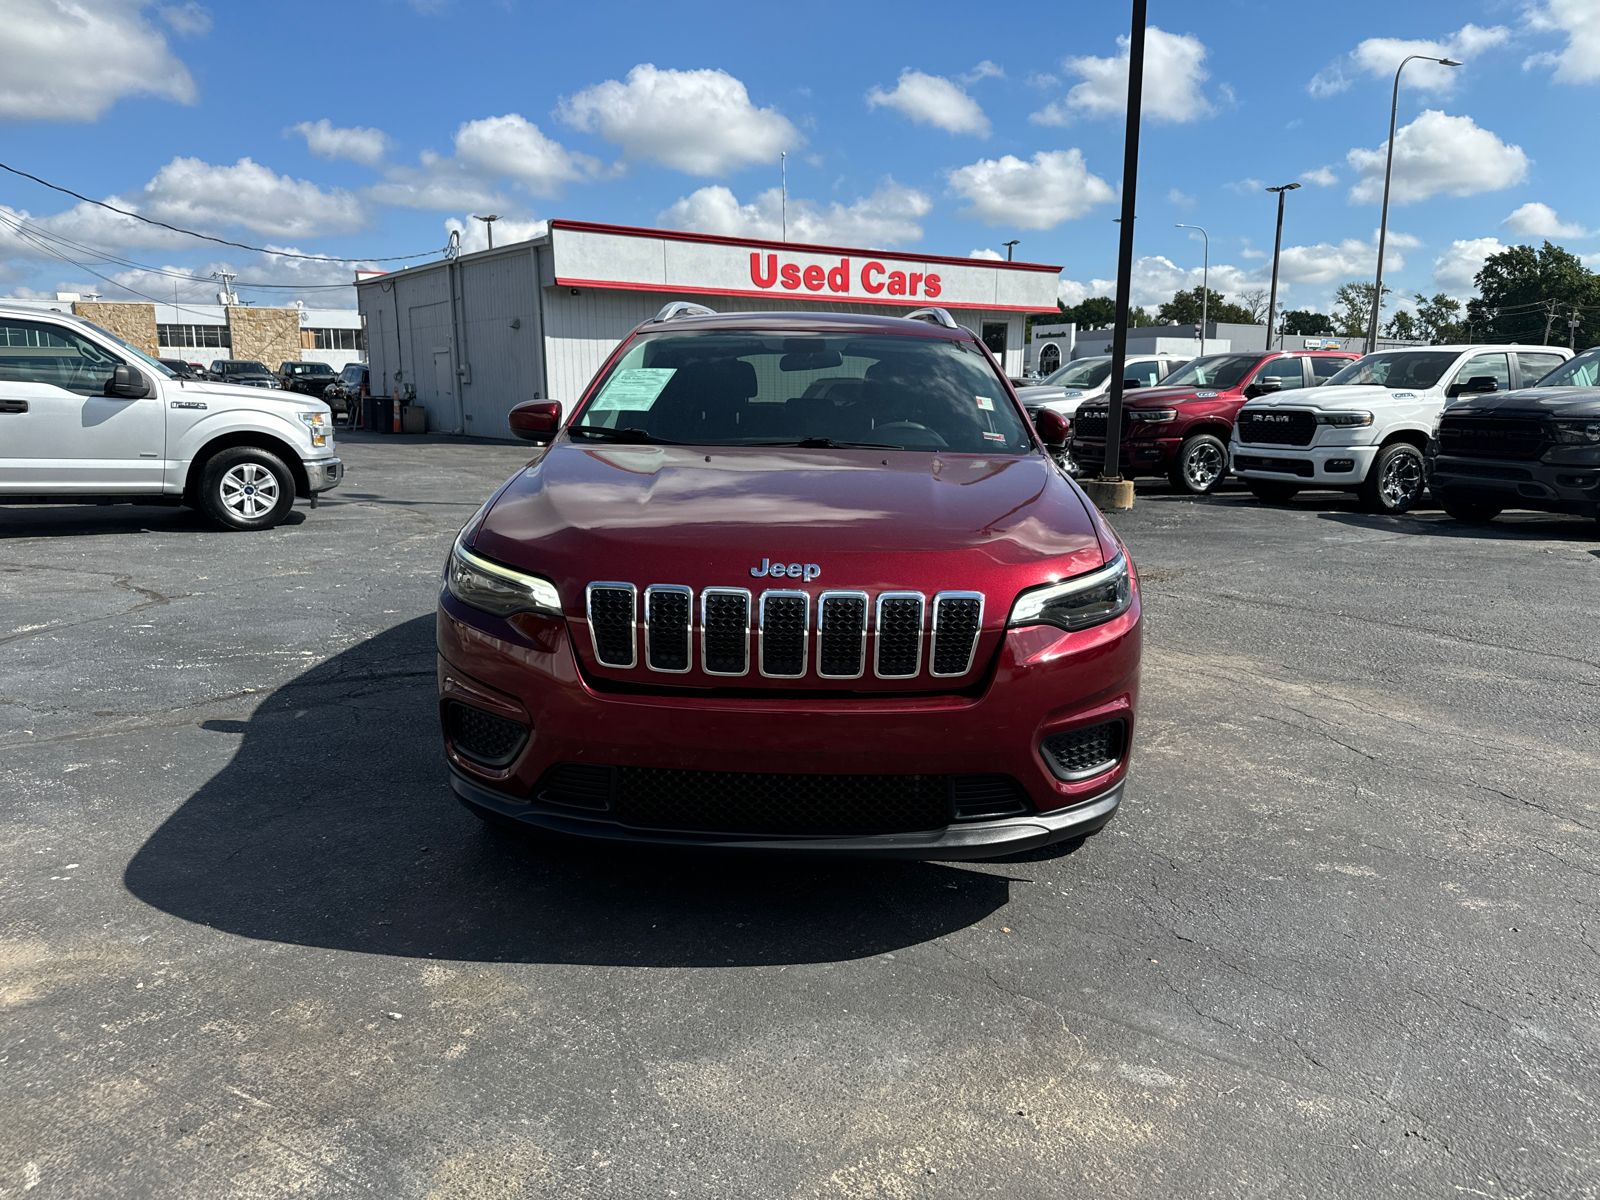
(1277, 245)
(1111, 468)
(1010, 246)
(783, 183)
(1205, 286)
(1388, 174)
(1572, 323)
(488, 226)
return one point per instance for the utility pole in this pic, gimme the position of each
(1205, 285)
(1572, 323)
(1277, 245)
(783, 171)
(1111, 468)
(488, 226)
(227, 297)
(1010, 246)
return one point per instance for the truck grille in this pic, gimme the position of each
(780, 803)
(1492, 437)
(1277, 428)
(897, 621)
(1091, 423)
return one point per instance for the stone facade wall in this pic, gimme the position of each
(264, 335)
(133, 323)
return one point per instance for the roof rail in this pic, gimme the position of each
(933, 316)
(682, 308)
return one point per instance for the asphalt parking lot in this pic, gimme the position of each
(1342, 941)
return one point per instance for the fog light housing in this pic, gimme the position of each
(1086, 752)
(483, 737)
(1339, 466)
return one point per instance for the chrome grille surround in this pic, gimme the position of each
(779, 643)
(717, 598)
(959, 622)
(632, 622)
(898, 608)
(833, 627)
(662, 629)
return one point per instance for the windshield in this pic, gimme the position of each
(1582, 371)
(1085, 373)
(1396, 369)
(154, 363)
(737, 389)
(1213, 371)
(244, 368)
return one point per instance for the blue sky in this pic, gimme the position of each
(366, 129)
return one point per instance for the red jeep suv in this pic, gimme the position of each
(799, 581)
(1181, 429)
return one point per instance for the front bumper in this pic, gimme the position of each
(1516, 483)
(323, 475)
(1148, 457)
(1308, 466)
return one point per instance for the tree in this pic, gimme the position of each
(1526, 295)
(1137, 317)
(1255, 301)
(1097, 312)
(1185, 307)
(1304, 322)
(1352, 309)
(1401, 327)
(1439, 320)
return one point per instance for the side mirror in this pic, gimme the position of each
(1132, 383)
(127, 384)
(1476, 385)
(1053, 428)
(1262, 388)
(536, 420)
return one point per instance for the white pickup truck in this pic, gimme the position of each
(1365, 430)
(86, 418)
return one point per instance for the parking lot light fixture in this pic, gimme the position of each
(1277, 245)
(488, 225)
(1388, 175)
(1205, 284)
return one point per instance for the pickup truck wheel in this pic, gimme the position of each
(1201, 465)
(245, 487)
(1268, 492)
(1470, 511)
(1395, 482)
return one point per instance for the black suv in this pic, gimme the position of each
(308, 377)
(243, 370)
(1536, 448)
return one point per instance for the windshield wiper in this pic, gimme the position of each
(827, 443)
(637, 437)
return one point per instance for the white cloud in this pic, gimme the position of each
(192, 193)
(1453, 271)
(989, 254)
(474, 235)
(888, 217)
(984, 70)
(1321, 176)
(1173, 73)
(1539, 220)
(1071, 293)
(189, 20)
(1180, 199)
(327, 140)
(513, 147)
(73, 59)
(933, 100)
(1381, 57)
(1579, 62)
(699, 122)
(1246, 187)
(1055, 187)
(1438, 154)
(1326, 262)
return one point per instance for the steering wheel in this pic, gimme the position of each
(897, 427)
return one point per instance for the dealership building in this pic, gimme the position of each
(467, 338)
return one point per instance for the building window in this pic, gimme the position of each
(181, 337)
(338, 339)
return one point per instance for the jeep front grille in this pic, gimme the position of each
(898, 624)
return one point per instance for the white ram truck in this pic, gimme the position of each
(1365, 430)
(86, 418)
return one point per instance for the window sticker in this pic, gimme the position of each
(985, 403)
(633, 388)
(995, 437)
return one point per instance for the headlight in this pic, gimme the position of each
(317, 426)
(1152, 414)
(496, 589)
(1344, 419)
(1580, 432)
(1077, 603)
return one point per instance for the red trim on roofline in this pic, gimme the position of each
(675, 235)
(826, 298)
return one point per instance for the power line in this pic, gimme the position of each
(205, 236)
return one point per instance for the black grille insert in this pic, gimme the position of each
(725, 631)
(611, 621)
(1302, 467)
(1080, 753)
(1277, 428)
(576, 785)
(957, 618)
(483, 737)
(985, 797)
(842, 634)
(785, 626)
(667, 611)
(1492, 437)
(899, 634)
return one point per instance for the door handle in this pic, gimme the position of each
(13, 406)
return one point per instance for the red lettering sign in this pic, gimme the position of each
(875, 278)
(814, 277)
(930, 287)
(867, 284)
(791, 276)
(839, 277)
(770, 278)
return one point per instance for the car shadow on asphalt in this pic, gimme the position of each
(334, 826)
(87, 520)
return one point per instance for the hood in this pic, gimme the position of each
(866, 520)
(1554, 401)
(1161, 397)
(238, 393)
(1344, 396)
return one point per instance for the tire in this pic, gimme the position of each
(1396, 480)
(1473, 512)
(1268, 492)
(245, 487)
(1201, 465)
